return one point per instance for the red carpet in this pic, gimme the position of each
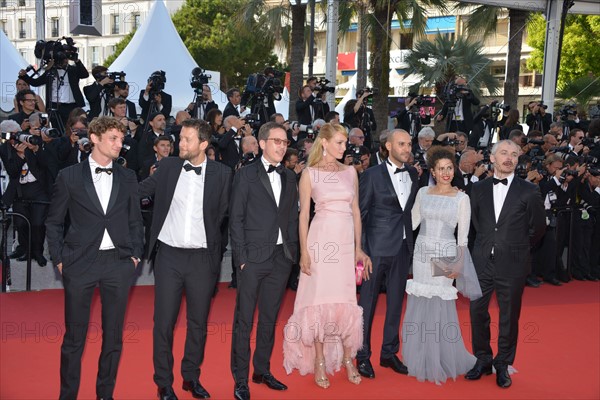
(558, 355)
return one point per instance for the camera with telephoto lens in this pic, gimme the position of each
(371, 91)
(157, 82)
(20, 137)
(594, 171)
(525, 140)
(85, 144)
(542, 105)
(354, 151)
(253, 120)
(420, 159)
(121, 159)
(521, 170)
(424, 101)
(260, 85)
(199, 79)
(57, 50)
(567, 111)
(301, 127)
(454, 92)
(496, 107)
(568, 172)
(322, 87)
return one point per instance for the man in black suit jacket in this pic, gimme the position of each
(204, 103)
(229, 143)
(508, 218)
(56, 77)
(233, 106)
(99, 93)
(538, 119)
(386, 196)
(263, 223)
(104, 241)
(191, 195)
(122, 90)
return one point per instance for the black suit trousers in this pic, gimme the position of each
(114, 277)
(176, 270)
(263, 284)
(509, 291)
(36, 214)
(395, 271)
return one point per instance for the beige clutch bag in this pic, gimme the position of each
(442, 266)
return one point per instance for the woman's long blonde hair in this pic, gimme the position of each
(326, 132)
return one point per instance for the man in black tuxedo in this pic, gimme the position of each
(62, 86)
(469, 171)
(99, 93)
(462, 120)
(229, 143)
(102, 246)
(191, 195)
(386, 196)
(233, 106)
(508, 217)
(263, 223)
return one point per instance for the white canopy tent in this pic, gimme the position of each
(351, 94)
(283, 106)
(155, 46)
(11, 63)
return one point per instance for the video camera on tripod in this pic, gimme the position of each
(199, 79)
(259, 85)
(566, 111)
(116, 77)
(157, 81)
(57, 50)
(322, 87)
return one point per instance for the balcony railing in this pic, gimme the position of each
(22, 34)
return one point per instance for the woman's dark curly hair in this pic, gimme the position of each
(437, 153)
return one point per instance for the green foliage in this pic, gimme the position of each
(208, 29)
(440, 60)
(580, 51)
(119, 48)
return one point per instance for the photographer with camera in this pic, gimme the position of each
(156, 128)
(320, 89)
(129, 150)
(304, 106)
(121, 90)
(410, 118)
(27, 101)
(538, 118)
(200, 108)
(99, 93)
(229, 143)
(358, 114)
(79, 145)
(27, 190)
(233, 106)
(153, 99)
(511, 123)
(590, 199)
(52, 145)
(576, 145)
(458, 106)
(62, 72)
(261, 92)
(117, 107)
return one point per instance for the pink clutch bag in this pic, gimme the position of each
(359, 272)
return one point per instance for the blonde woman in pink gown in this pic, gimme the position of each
(325, 330)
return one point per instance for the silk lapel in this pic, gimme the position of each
(88, 184)
(488, 198)
(209, 179)
(511, 197)
(283, 178)
(388, 181)
(264, 179)
(116, 179)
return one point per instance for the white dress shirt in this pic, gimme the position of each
(184, 224)
(500, 191)
(61, 88)
(275, 180)
(402, 184)
(103, 183)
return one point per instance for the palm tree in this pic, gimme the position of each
(581, 90)
(484, 20)
(382, 14)
(441, 60)
(277, 19)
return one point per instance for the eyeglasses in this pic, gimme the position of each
(34, 100)
(279, 142)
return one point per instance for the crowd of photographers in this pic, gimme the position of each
(560, 155)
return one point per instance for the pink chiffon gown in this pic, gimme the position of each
(326, 309)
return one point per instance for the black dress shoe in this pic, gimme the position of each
(166, 393)
(41, 260)
(395, 364)
(589, 277)
(22, 258)
(232, 284)
(503, 378)
(198, 392)
(16, 254)
(579, 277)
(366, 369)
(532, 282)
(268, 380)
(553, 281)
(241, 391)
(478, 370)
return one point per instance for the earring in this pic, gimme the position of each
(324, 152)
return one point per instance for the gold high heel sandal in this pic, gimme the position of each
(353, 375)
(320, 374)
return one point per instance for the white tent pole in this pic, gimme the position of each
(332, 48)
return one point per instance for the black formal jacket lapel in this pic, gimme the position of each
(511, 198)
(210, 181)
(264, 179)
(171, 183)
(116, 184)
(388, 181)
(88, 184)
(488, 198)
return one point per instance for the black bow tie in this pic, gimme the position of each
(190, 167)
(100, 170)
(278, 169)
(398, 170)
(468, 176)
(502, 181)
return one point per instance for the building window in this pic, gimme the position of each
(54, 27)
(21, 3)
(23, 53)
(22, 31)
(95, 56)
(137, 20)
(3, 25)
(2, 3)
(115, 24)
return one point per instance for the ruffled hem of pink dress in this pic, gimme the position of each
(335, 325)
